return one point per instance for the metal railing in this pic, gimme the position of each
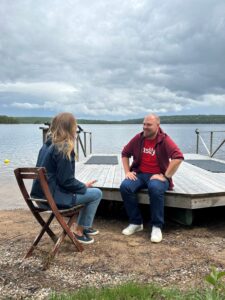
(81, 140)
(209, 150)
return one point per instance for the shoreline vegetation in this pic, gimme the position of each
(181, 119)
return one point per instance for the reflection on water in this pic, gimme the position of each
(21, 143)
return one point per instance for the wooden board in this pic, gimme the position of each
(194, 187)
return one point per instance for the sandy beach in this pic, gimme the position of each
(183, 259)
(10, 196)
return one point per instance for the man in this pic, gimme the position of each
(155, 160)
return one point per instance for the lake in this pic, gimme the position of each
(21, 143)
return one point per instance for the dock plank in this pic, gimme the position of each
(110, 177)
(194, 186)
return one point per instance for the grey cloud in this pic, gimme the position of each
(112, 58)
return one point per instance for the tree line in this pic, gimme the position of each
(182, 119)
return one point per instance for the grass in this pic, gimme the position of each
(135, 291)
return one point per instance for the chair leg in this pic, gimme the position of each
(42, 222)
(67, 231)
(39, 236)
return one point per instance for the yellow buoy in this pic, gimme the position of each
(6, 161)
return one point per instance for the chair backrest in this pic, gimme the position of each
(23, 174)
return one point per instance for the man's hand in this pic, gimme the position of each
(159, 177)
(131, 175)
(90, 183)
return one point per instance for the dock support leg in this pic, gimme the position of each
(181, 215)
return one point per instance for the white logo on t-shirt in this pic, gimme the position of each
(150, 151)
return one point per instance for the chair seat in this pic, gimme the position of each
(64, 211)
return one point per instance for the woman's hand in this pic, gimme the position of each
(90, 183)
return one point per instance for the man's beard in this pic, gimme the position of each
(149, 134)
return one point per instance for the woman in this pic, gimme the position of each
(58, 157)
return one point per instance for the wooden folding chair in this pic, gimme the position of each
(40, 174)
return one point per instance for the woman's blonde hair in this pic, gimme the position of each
(63, 131)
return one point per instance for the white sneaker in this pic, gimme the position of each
(132, 228)
(156, 235)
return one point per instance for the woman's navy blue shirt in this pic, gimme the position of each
(60, 175)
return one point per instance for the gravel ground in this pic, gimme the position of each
(183, 259)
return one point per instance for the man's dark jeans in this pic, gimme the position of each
(156, 189)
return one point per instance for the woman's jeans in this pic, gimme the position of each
(91, 200)
(156, 190)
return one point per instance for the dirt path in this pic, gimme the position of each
(182, 259)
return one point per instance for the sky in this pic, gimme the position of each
(112, 59)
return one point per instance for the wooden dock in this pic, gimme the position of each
(194, 187)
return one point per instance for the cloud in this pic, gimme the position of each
(214, 100)
(38, 88)
(25, 105)
(112, 59)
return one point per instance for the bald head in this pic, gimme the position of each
(153, 117)
(151, 125)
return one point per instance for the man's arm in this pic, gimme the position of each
(171, 170)
(176, 157)
(126, 167)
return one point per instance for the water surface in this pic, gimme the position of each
(21, 143)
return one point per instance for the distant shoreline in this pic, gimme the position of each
(183, 119)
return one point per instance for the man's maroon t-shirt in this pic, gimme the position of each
(149, 162)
